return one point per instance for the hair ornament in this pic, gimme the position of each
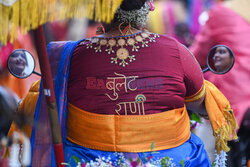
(135, 17)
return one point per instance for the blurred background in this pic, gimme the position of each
(181, 19)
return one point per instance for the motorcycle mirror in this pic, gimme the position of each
(220, 59)
(21, 63)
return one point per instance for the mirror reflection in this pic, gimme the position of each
(220, 59)
(21, 63)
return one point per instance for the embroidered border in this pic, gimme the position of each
(122, 56)
(197, 96)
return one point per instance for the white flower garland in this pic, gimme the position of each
(135, 17)
(220, 160)
(121, 161)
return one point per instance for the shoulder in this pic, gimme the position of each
(56, 44)
(185, 52)
(168, 42)
(86, 43)
(173, 46)
(56, 48)
(174, 43)
(168, 38)
(59, 45)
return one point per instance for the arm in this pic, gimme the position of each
(198, 107)
(194, 82)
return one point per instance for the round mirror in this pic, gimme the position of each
(21, 64)
(220, 59)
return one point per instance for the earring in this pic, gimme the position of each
(126, 29)
(100, 30)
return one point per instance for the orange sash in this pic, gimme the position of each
(128, 133)
(221, 117)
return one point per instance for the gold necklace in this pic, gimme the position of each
(122, 56)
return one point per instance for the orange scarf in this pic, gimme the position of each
(128, 133)
(221, 117)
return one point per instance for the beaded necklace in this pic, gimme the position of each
(122, 56)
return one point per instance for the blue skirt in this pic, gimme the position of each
(189, 154)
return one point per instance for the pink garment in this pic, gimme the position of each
(165, 73)
(4, 162)
(171, 21)
(5, 51)
(228, 28)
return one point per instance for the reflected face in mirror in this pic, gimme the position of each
(21, 64)
(222, 59)
(17, 62)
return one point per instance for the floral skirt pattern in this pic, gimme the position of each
(189, 154)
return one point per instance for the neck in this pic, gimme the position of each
(119, 29)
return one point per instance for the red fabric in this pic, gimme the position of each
(59, 155)
(227, 27)
(59, 30)
(4, 162)
(166, 72)
(44, 63)
(5, 51)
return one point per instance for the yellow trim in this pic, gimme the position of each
(128, 133)
(29, 14)
(197, 96)
(156, 20)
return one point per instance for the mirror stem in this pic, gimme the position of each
(205, 70)
(37, 73)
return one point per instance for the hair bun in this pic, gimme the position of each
(128, 5)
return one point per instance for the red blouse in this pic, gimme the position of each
(157, 78)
